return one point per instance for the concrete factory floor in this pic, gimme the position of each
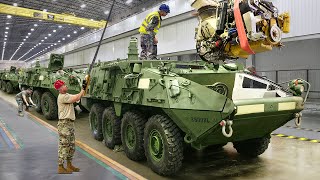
(33, 153)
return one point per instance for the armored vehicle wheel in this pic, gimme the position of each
(4, 86)
(49, 106)
(1, 84)
(95, 120)
(163, 145)
(111, 128)
(9, 88)
(36, 98)
(252, 147)
(132, 128)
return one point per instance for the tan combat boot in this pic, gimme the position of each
(70, 167)
(62, 170)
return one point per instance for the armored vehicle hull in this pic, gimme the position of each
(156, 108)
(9, 80)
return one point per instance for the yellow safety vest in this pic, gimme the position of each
(147, 20)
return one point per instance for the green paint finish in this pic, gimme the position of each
(156, 146)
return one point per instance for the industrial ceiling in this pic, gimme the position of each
(24, 39)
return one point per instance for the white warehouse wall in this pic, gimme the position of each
(298, 59)
(177, 32)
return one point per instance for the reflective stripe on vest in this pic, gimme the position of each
(147, 20)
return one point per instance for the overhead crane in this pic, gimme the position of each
(51, 17)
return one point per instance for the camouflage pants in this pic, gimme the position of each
(149, 48)
(66, 140)
(20, 104)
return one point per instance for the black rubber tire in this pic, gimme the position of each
(137, 121)
(95, 114)
(36, 98)
(1, 84)
(252, 147)
(172, 156)
(4, 86)
(109, 115)
(9, 88)
(52, 112)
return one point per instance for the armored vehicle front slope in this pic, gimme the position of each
(155, 108)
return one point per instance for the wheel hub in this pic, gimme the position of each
(46, 105)
(131, 137)
(108, 127)
(156, 145)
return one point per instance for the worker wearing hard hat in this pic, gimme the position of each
(148, 30)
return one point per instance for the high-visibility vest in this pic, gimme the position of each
(143, 27)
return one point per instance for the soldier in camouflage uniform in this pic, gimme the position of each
(148, 30)
(66, 126)
(24, 98)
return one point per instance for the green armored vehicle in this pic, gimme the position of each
(156, 108)
(9, 80)
(41, 80)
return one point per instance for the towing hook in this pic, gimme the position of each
(229, 123)
(298, 119)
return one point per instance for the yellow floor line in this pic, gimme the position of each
(14, 142)
(115, 165)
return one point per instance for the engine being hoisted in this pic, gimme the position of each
(235, 29)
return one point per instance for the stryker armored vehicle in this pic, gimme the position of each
(41, 79)
(155, 108)
(9, 80)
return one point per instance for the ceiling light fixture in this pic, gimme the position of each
(68, 35)
(29, 34)
(45, 38)
(82, 28)
(15, 4)
(83, 5)
(9, 16)
(32, 29)
(75, 32)
(7, 27)
(49, 34)
(54, 30)
(35, 25)
(60, 26)
(45, 10)
(6, 32)
(106, 12)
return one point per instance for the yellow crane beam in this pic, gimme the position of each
(52, 17)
